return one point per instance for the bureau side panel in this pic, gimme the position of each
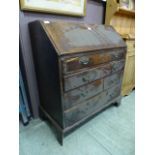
(47, 71)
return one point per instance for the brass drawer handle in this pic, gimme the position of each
(116, 55)
(84, 60)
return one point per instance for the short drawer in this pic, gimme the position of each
(113, 92)
(80, 111)
(80, 94)
(112, 80)
(117, 65)
(81, 62)
(82, 78)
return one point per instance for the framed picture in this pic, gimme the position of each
(66, 7)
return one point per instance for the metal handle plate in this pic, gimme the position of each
(84, 60)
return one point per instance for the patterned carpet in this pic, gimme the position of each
(109, 133)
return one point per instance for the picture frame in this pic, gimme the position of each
(65, 7)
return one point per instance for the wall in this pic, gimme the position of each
(94, 14)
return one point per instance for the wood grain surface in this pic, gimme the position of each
(79, 71)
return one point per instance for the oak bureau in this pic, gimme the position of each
(79, 70)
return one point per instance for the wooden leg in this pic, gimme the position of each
(42, 115)
(60, 137)
(118, 102)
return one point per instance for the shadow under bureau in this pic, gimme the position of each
(79, 70)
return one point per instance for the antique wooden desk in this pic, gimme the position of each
(79, 71)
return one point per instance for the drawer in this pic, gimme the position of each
(81, 62)
(113, 92)
(75, 114)
(82, 78)
(130, 45)
(80, 111)
(117, 65)
(112, 80)
(80, 94)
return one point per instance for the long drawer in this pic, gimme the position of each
(84, 109)
(80, 94)
(82, 62)
(79, 79)
(85, 77)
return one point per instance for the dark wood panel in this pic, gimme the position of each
(80, 111)
(112, 80)
(69, 129)
(80, 94)
(117, 65)
(73, 64)
(47, 71)
(71, 116)
(113, 92)
(85, 77)
(80, 37)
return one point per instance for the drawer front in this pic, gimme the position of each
(113, 92)
(81, 62)
(86, 77)
(71, 116)
(117, 65)
(80, 94)
(75, 114)
(112, 80)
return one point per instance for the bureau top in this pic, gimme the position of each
(79, 37)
